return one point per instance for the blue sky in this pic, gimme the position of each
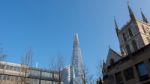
(48, 26)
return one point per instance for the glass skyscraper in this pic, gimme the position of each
(77, 62)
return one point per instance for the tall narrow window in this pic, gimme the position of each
(124, 37)
(142, 71)
(134, 45)
(119, 79)
(1, 77)
(130, 32)
(2, 66)
(129, 74)
(4, 77)
(128, 49)
(143, 29)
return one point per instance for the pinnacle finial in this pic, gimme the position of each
(132, 16)
(116, 26)
(76, 35)
(143, 17)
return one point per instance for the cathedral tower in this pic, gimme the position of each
(134, 35)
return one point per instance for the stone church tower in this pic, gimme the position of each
(134, 35)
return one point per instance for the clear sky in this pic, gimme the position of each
(48, 26)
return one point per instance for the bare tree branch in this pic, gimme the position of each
(2, 55)
(86, 78)
(99, 71)
(2, 65)
(57, 65)
(99, 68)
(26, 63)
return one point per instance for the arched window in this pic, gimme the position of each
(134, 45)
(124, 37)
(128, 49)
(130, 32)
(143, 29)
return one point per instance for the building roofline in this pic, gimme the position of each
(130, 56)
(32, 68)
(130, 21)
(115, 52)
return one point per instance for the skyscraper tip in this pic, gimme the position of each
(76, 39)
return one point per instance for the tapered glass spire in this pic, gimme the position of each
(77, 62)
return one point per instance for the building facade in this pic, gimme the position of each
(132, 65)
(12, 73)
(67, 75)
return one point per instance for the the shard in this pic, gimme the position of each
(77, 62)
